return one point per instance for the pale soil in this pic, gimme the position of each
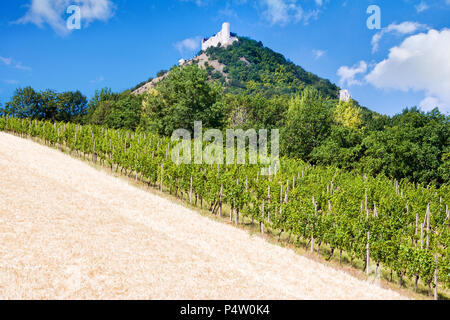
(201, 59)
(68, 230)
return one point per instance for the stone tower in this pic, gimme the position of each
(223, 37)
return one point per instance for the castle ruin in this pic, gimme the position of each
(223, 37)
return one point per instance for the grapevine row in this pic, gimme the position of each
(400, 226)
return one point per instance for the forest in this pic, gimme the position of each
(315, 128)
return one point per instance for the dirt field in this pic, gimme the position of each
(69, 231)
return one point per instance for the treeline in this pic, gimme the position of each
(46, 105)
(412, 145)
(114, 110)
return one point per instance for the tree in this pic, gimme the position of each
(117, 111)
(308, 123)
(413, 147)
(348, 114)
(125, 112)
(46, 105)
(71, 106)
(185, 96)
(24, 103)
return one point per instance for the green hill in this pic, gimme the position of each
(247, 66)
(250, 65)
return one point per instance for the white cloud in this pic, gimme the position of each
(6, 61)
(53, 13)
(188, 45)
(429, 103)
(10, 62)
(403, 28)
(422, 6)
(347, 74)
(318, 54)
(420, 63)
(285, 11)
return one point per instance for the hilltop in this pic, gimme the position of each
(248, 65)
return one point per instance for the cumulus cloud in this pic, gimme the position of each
(188, 45)
(318, 53)
(285, 11)
(419, 63)
(54, 13)
(403, 28)
(422, 6)
(347, 74)
(429, 103)
(10, 62)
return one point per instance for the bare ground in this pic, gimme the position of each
(69, 231)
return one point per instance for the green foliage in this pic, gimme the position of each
(114, 110)
(255, 111)
(185, 96)
(413, 146)
(348, 114)
(48, 105)
(308, 123)
(248, 62)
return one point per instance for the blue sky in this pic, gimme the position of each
(123, 42)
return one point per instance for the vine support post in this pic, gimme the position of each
(428, 226)
(262, 218)
(435, 278)
(268, 205)
(162, 175)
(220, 200)
(312, 229)
(368, 254)
(421, 236)
(190, 192)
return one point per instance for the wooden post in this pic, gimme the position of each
(220, 200)
(162, 175)
(281, 196)
(312, 230)
(435, 279)
(428, 226)
(417, 226)
(368, 253)
(262, 218)
(190, 192)
(268, 205)
(421, 236)
(368, 243)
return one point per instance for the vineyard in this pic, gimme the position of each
(395, 225)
